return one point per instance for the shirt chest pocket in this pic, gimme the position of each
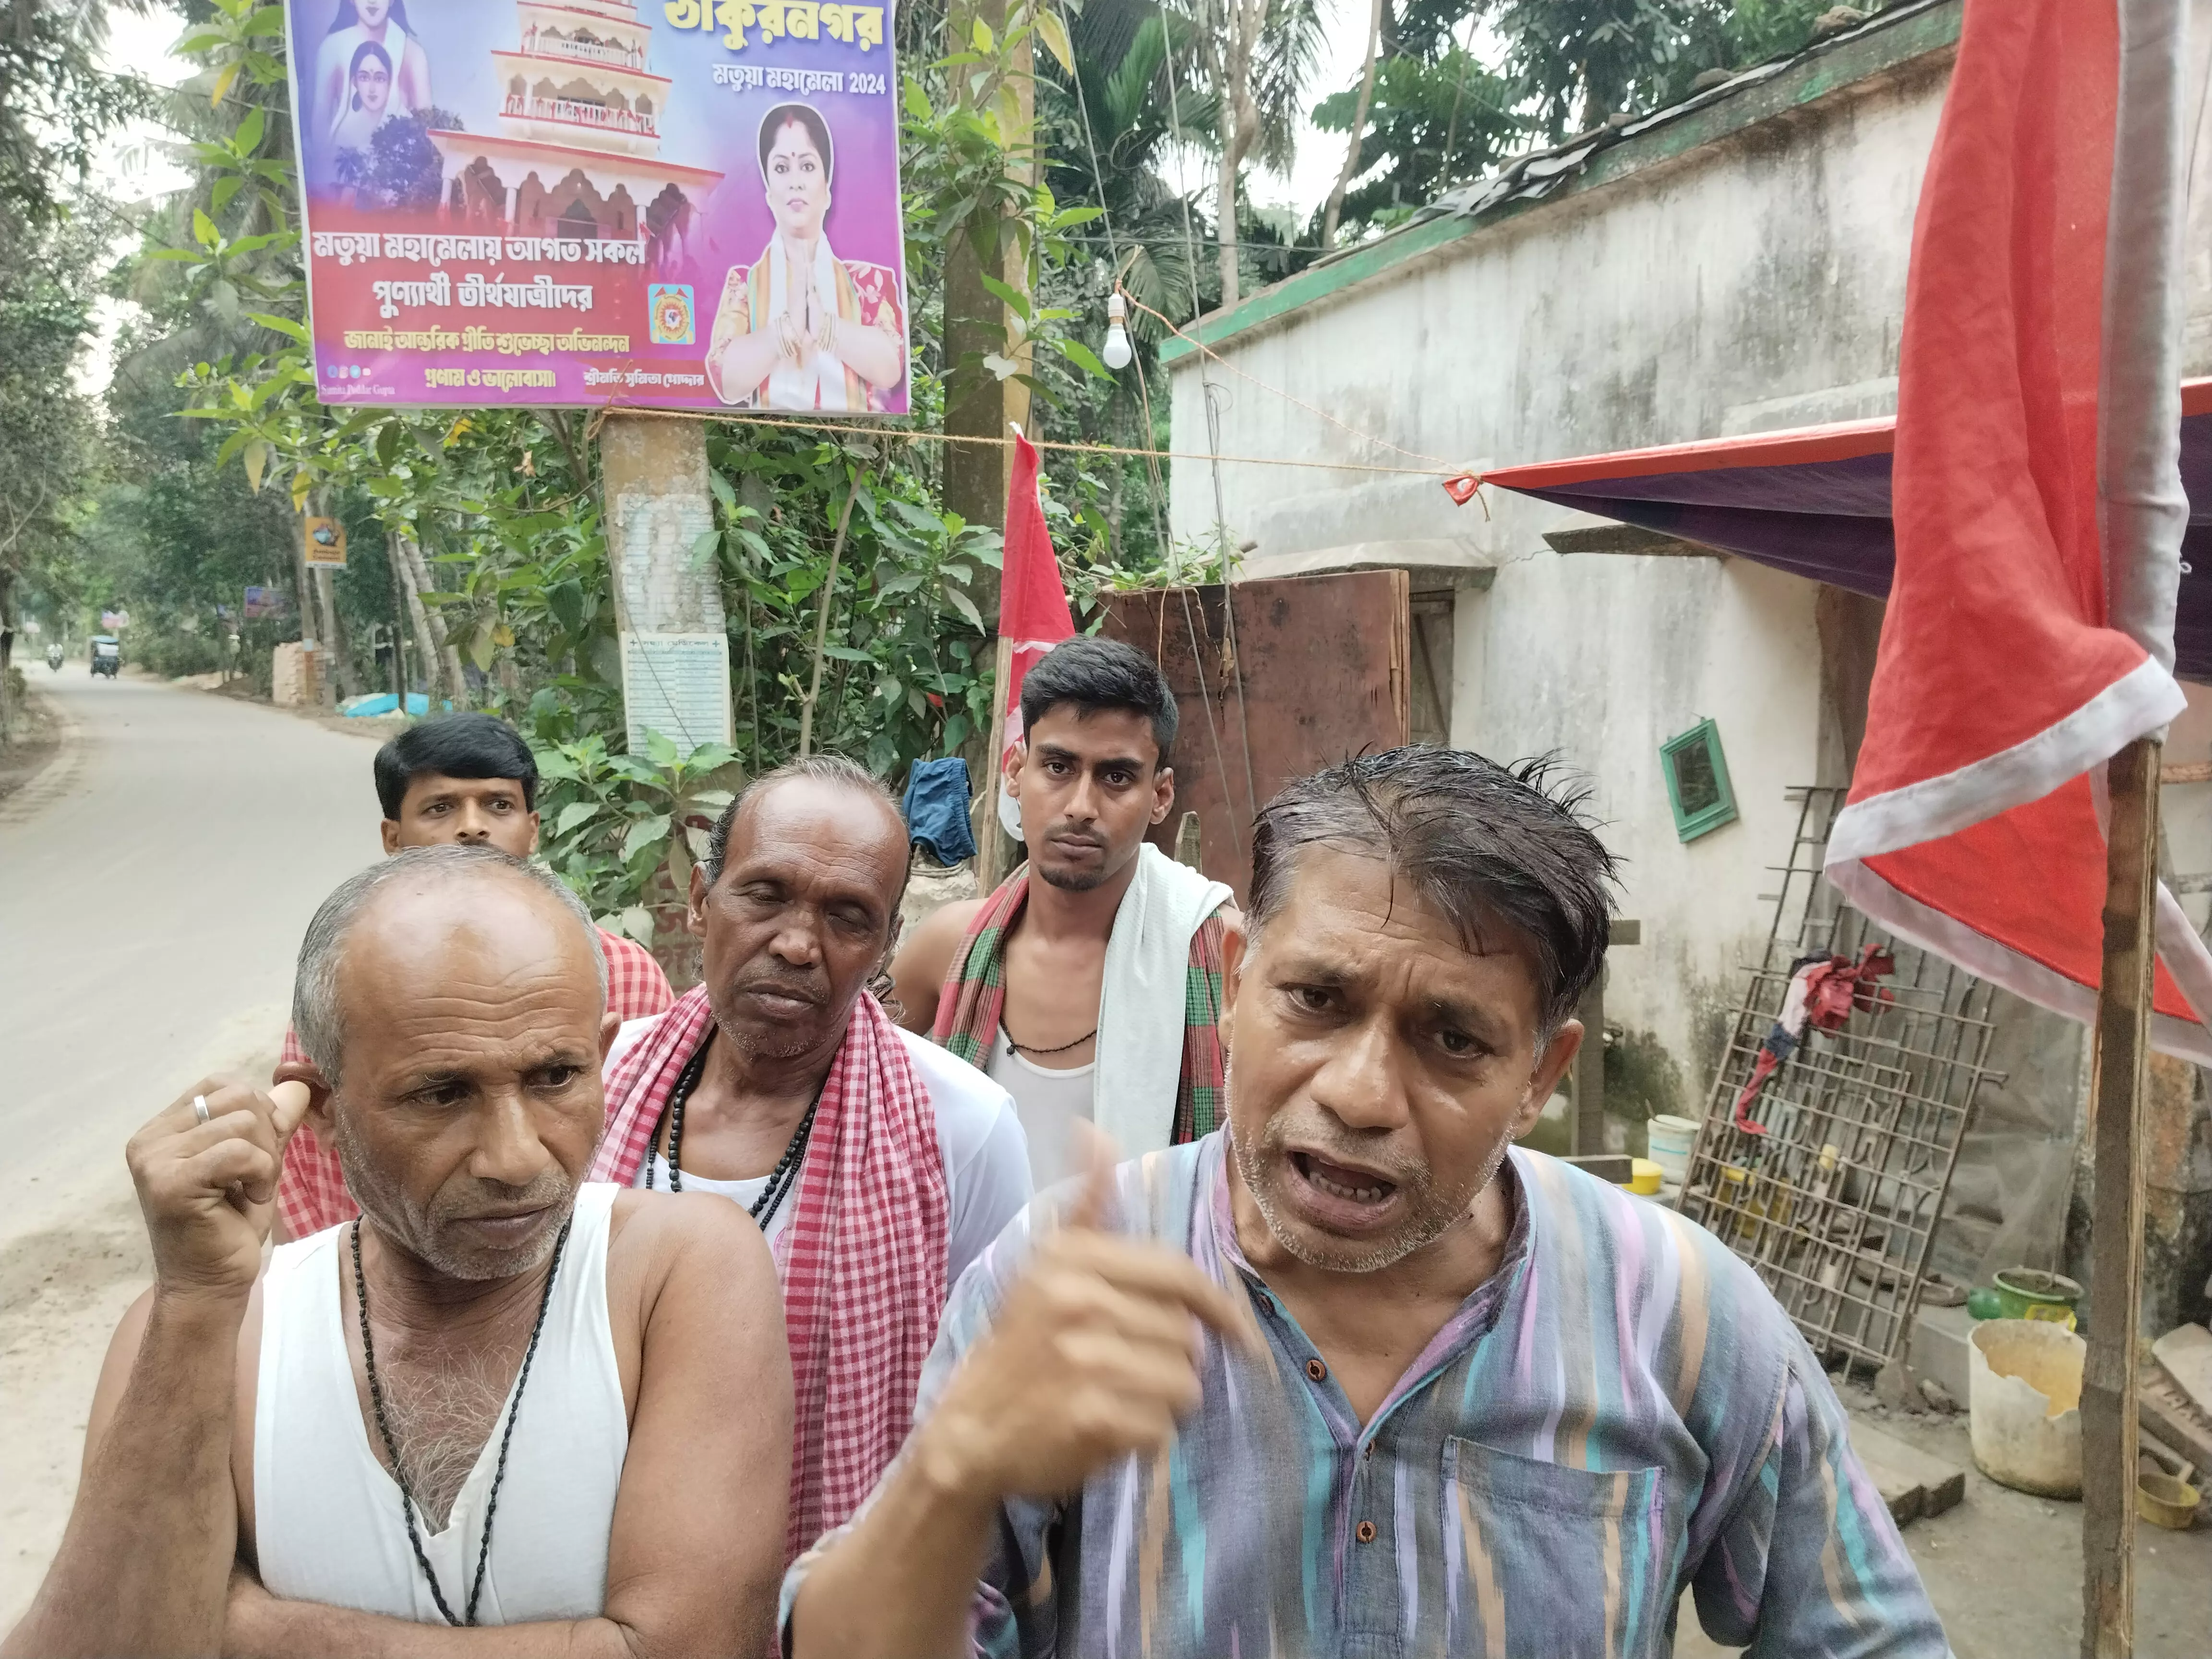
(1554, 1559)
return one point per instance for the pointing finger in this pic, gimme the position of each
(1162, 1275)
(1097, 1152)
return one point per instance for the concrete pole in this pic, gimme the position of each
(653, 478)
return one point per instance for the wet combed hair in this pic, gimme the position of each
(1095, 675)
(315, 1013)
(817, 129)
(455, 746)
(821, 768)
(1482, 844)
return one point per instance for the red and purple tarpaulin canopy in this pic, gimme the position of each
(1816, 502)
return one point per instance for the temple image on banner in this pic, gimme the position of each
(577, 157)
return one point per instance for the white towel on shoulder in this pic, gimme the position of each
(1141, 1009)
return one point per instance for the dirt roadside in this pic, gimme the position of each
(41, 738)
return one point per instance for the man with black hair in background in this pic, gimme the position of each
(1089, 984)
(468, 778)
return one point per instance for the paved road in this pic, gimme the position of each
(154, 885)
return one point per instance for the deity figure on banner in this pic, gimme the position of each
(383, 24)
(368, 106)
(800, 328)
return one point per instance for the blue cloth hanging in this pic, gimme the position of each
(936, 808)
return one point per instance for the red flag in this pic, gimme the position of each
(2004, 683)
(1033, 613)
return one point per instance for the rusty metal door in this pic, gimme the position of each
(1300, 673)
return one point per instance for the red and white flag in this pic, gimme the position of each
(2029, 632)
(1033, 613)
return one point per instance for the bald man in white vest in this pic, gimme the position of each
(503, 1396)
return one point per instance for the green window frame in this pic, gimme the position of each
(1697, 786)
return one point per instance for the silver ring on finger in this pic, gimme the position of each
(200, 1108)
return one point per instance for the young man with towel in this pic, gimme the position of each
(1089, 983)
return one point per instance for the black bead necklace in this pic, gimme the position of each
(780, 1180)
(1042, 1054)
(390, 1446)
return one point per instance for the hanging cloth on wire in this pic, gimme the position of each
(1824, 990)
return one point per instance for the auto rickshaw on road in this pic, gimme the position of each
(106, 655)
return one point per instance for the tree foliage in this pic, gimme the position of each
(504, 505)
(56, 104)
(1433, 124)
(1441, 114)
(1577, 62)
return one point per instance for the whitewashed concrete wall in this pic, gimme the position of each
(1751, 284)
(1745, 287)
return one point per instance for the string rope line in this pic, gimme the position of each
(1198, 657)
(910, 435)
(1206, 351)
(1225, 230)
(1225, 236)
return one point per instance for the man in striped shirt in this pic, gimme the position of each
(1356, 1375)
(470, 779)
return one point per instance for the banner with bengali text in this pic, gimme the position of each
(679, 204)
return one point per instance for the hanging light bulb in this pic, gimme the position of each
(1117, 353)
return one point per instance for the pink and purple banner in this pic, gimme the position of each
(681, 203)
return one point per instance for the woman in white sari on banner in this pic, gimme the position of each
(800, 328)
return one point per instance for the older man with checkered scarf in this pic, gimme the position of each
(876, 1165)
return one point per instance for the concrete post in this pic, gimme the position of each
(666, 579)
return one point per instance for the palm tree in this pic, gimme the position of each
(1123, 119)
(1248, 65)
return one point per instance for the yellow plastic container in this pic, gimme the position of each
(1643, 1177)
(2165, 1501)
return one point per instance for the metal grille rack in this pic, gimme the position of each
(1836, 1206)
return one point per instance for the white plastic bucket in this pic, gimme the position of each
(1670, 1140)
(2025, 1408)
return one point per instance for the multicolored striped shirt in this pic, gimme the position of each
(1622, 1410)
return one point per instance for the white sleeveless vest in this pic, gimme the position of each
(328, 1520)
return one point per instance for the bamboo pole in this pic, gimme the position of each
(2123, 1047)
(990, 838)
(822, 621)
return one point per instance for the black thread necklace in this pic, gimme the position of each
(1043, 1053)
(780, 1180)
(390, 1446)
